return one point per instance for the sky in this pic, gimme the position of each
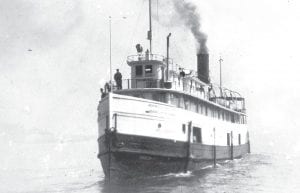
(54, 57)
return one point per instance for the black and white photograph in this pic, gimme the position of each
(149, 96)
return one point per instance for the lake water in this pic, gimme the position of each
(72, 166)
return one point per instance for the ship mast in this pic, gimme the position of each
(220, 62)
(150, 27)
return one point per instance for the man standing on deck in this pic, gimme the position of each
(118, 79)
(103, 94)
(182, 73)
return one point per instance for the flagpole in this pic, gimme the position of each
(110, 65)
(150, 26)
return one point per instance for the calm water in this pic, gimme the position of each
(72, 166)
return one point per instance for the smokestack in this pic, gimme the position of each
(203, 67)
(192, 20)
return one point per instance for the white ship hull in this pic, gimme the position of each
(145, 137)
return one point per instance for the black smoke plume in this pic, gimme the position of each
(191, 18)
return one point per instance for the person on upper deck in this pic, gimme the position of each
(118, 79)
(107, 87)
(182, 73)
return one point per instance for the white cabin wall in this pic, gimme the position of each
(141, 117)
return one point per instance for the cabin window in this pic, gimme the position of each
(197, 135)
(227, 116)
(181, 102)
(183, 128)
(236, 118)
(197, 107)
(148, 69)
(174, 100)
(161, 97)
(201, 109)
(228, 139)
(186, 103)
(232, 117)
(137, 95)
(147, 96)
(193, 106)
(155, 96)
(239, 139)
(211, 111)
(206, 111)
(139, 70)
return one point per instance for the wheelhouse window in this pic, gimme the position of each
(197, 135)
(239, 139)
(148, 69)
(139, 70)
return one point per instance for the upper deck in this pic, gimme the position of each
(147, 57)
(148, 71)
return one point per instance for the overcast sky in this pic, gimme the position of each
(54, 56)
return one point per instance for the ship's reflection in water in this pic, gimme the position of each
(166, 183)
(242, 175)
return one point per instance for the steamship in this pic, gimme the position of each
(165, 121)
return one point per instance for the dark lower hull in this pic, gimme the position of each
(127, 156)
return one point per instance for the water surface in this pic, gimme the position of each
(72, 166)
